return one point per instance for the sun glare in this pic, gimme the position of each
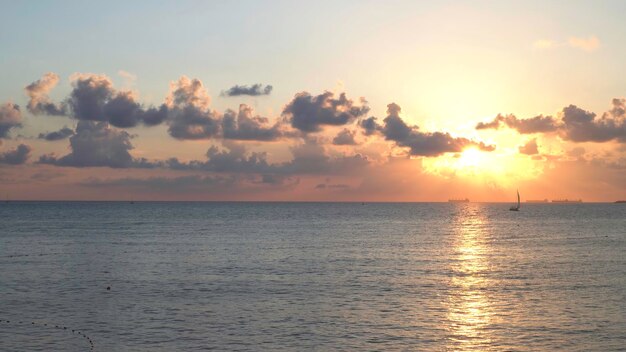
(471, 157)
(504, 166)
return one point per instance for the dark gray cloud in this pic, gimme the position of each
(89, 95)
(243, 125)
(308, 113)
(370, 126)
(583, 126)
(10, 118)
(494, 124)
(186, 109)
(123, 111)
(253, 90)
(57, 135)
(97, 144)
(344, 137)
(331, 186)
(39, 103)
(191, 123)
(233, 158)
(277, 180)
(530, 148)
(190, 116)
(423, 143)
(308, 158)
(618, 110)
(93, 98)
(537, 124)
(311, 158)
(576, 124)
(16, 156)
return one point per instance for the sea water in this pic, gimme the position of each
(167, 276)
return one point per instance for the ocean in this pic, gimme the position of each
(195, 276)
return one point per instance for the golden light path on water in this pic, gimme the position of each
(470, 310)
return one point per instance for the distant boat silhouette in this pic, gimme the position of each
(516, 208)
(458, 200)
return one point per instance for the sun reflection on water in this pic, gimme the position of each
(470, 311)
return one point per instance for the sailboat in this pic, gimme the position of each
(516, 208)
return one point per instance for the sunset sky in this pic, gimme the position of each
(324, 101)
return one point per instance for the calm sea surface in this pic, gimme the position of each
(312, 276)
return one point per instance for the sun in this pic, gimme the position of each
(502, 167)
(471, 157)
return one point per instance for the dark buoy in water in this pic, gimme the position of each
(108, 288)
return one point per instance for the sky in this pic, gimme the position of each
(325, 101)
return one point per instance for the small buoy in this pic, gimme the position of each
(108, 288)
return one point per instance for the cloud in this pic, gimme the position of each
(243, 125)
(253, 90)
(495, 124)
(370, 125)
(530, 148)
(277, 180)
(308, 158)
(186, 109)
(588, 44)
(537, 124)
(57, 135)
(93, 98)
(232, 159)
(332, 186)
(619, 109)
(575, 124)
(345, 137)
(190, 115)
(39, 102)
(97, 144)
(311, 158)
(582, 126)
(308, 113)
(423, 143)
(16, 156)
(10, 118)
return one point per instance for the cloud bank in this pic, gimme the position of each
(575, 124)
